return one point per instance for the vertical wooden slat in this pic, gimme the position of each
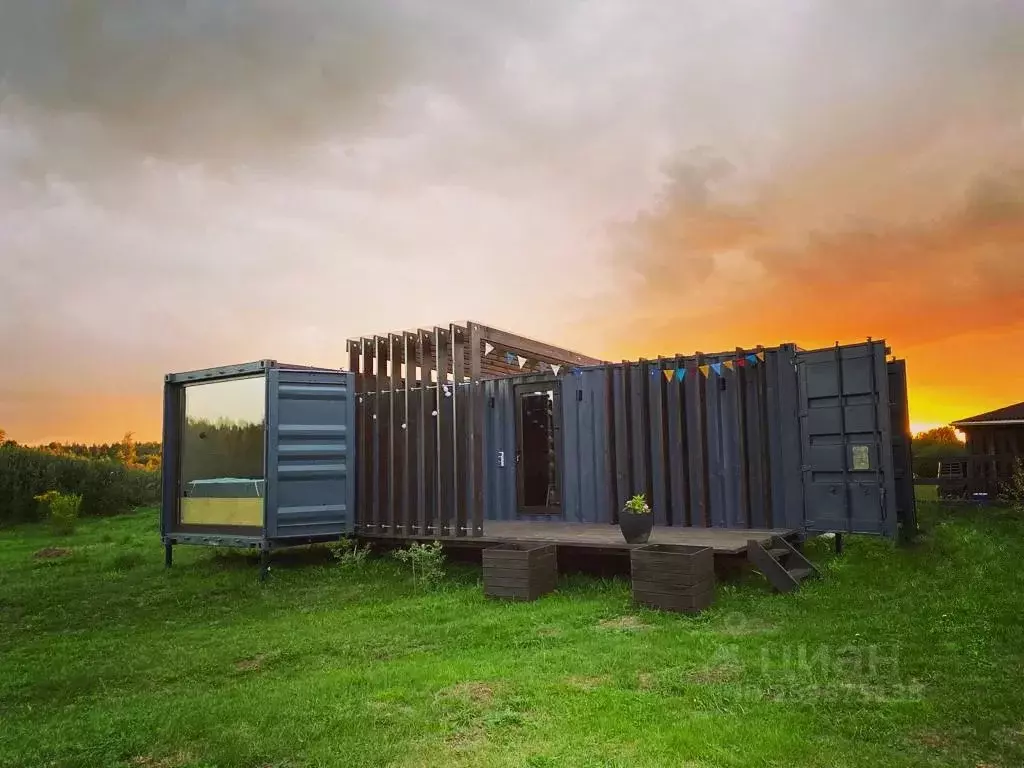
(741, 418)
(678, 471)
(424, 435)
(623, 462)
(656, 442)
(460, 397)
(381, 454)
(697, 442)
(638, 419)
(412, 429)
(396, 490)
(445, 442)
(610, 468)
(765, 443)
(367, 488)
(476, 432)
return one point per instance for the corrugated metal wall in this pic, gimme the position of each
(737, 441)
(718, 451)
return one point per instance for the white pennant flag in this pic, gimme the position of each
(556, 368)
(488, 348)
(522, 361)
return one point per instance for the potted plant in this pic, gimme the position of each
(636, 520)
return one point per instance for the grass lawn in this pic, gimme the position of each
(910, 657)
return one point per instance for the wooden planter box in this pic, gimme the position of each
(673, 577)
(520, 571)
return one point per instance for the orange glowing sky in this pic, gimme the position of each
(180, 188)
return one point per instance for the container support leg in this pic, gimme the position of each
(168, 555)
(840, 544)
(264, 564)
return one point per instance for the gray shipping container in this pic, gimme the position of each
(258, 455)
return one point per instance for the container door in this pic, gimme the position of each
(538, 448)
(310, 453)
(847, 449)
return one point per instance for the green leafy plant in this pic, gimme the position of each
(426, 561)
(1013, 490)
(637, 505)
(348, 553)
(62, 510)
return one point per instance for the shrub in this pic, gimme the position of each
(426, 561)
(106, 487)
(1013, 490)
(62, 509)
(348, 553)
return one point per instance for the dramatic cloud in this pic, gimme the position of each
(184, 184)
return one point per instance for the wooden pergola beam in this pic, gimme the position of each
(530, 347)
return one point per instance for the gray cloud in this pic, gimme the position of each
(183, 183)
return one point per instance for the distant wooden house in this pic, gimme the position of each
(995, 442)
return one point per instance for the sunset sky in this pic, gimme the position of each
(189, 184)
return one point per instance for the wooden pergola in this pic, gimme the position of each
(420, 422)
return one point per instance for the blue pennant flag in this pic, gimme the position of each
(717, 368)
(752, 359)
(681, 374)
(510, 358)
(577, 372)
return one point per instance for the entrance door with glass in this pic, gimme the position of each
(538, 448)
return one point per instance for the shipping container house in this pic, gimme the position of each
(467, 432)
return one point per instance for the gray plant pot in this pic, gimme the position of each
(636, 529)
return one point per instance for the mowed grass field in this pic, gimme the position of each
(897, 657)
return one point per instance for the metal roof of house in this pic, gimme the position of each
(1010, 415)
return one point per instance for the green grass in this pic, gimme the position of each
(898, 657)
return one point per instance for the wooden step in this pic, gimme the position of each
(767, 560)
(799, 574)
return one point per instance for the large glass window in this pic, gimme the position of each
(222, 479)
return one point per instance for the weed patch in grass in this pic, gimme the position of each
(624, 624)
(49, 553)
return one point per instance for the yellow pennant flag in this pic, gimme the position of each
(668, 374)
(760, 356)
(728, 364)
(704, 370)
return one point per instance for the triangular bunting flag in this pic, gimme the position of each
(510, 358)
(556, 368)
(760, 356)
(681, 374)
(704, 369)
(741, 362)
(717, 368)
(488, 348)
(728, 364)
(522, 360)
(752, 359)
(668, 374)
(577, 371)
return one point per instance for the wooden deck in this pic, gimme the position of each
(724, 541)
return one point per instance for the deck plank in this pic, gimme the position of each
(724, 541)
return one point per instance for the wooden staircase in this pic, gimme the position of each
(782, 564)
